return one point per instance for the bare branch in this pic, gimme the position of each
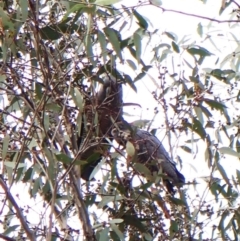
(82, 210)
(198, 16)
(236, 3)
(30, 234)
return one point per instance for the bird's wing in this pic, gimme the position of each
(153, 145)
(155, 150)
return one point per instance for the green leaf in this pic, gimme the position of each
(38, 90)
(56, 31)
(145, 186)
(199, 114)
(106, 2)
(141, 21)
(50, 33)
(28, 175)
(229, 151)
(224, 6)
(138, 45)
(117, 231)
(221, 226)
(24, 9)
(187, 149)
(135, 222)
(156, 2)
(6, 141)
(89, 48)
(238, 146)
(192, 140)
(226, 115)
(116, 220)
(129, 81)
(10, 229)
(171, 35)
(103, 236)
(142, 169)
(222, 172)
(103, 44)
(200, 29)
(214, 104)
(113, 38)
(164, 54)
(217, 73)
(205, 111)
(173, 228)
(13, 164)
(46, 188)
(133, 65)
(199, 51)
(218, 136)
(107, 199)
(97, 168)
(147, 237)
(177, 201)
(194, 79)
(197, 127)
(36, 186)
(75, 8)
(238, 175)
(140, 123)
(175, 47)
(64, 158)
(53, 107)
(78, 98)
(238, 96)
(33, 143)
(46, 122)
(130, 149)
(7, 24)
(168, 46)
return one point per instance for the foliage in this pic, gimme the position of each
(54, 56)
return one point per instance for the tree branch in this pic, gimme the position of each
(82, 210)
(236, 3)
(20, 216)
(197, 16)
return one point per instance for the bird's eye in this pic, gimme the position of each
(114, 130)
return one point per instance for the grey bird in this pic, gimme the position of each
(106, 108)
(150, 152)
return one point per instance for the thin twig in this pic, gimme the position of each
(198, 16)
(236, 3)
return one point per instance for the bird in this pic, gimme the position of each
(106, 107)
(150, 152)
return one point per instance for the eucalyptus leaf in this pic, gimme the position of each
(229, 151)
(117, 231)
(13, 164)
(6, 141)
(138, 45)
(104, 234)
(113, 38)
(141, 20)
(106, 2)
(175, 47)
